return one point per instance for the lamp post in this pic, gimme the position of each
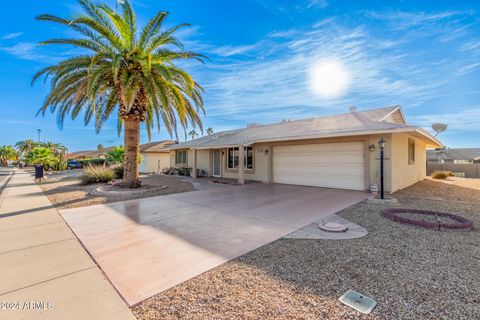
(38, 131)
(381, 145)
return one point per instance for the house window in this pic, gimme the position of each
(232, 161)
(181, 156)
(411, 151)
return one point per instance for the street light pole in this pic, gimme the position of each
(38, 131)
(381, 144)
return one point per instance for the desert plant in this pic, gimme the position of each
(118, 172)
(91, 161)
(121, 69)
(440, 175)
(96, 174)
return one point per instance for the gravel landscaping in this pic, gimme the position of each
(412, 273)
(69, 193)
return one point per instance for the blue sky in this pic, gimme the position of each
(423, 55)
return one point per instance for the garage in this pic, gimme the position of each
(330, 165)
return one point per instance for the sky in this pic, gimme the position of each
(265, 61)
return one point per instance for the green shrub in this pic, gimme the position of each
(440, 175)
(450, 174)
(96, 174)
(91, 161)
(118, 172)
(169, 170)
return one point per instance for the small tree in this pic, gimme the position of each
(116, 156)
(7, 153)
(43, 156)
(100, 146)
(210, 131)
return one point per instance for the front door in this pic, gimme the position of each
(217, 163)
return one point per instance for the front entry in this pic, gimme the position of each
(217, 163)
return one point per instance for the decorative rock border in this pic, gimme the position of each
(394, 214)
(100, 191)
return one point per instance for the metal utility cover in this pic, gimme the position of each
(358, 301)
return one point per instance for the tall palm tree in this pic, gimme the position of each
(127, 71)
(210, 131)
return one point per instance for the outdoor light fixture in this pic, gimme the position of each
(371, 147)
(381, 145)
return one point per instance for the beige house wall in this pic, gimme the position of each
(405, 174)
(155, 162)
(396, 156)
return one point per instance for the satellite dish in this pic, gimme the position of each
(439, 128)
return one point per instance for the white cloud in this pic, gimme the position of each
(11, 36)
(318, 3)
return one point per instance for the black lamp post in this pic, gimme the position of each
(381, 145)
(39, 131)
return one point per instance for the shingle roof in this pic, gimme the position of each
(352, 123)
(157, 146)
(456, 154)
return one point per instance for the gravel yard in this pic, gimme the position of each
(69, 193)
(413, 273)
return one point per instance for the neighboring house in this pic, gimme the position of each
(338, 151)
(454, 155)
(154, 156)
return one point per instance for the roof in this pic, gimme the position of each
(455, 154)
(146, 147)
(156, 147)
(347, 124)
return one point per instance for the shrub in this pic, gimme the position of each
(440, 175)
(96, 174)
(169, 170)
(91, 161)
(118, 172)
(116, 155)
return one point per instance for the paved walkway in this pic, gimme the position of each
(44, 270)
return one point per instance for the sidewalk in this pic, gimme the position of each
(43, 268)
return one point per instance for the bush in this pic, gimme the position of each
(441, 175)
(96, 174)
(91, 161)
(169, 171)
(118, 172)
(177, 171)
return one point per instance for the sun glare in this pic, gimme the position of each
(329, 79)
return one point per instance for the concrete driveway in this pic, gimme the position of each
(146, 246)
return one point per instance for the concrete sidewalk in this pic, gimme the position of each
(44, 271)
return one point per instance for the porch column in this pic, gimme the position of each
(194, 167)
(241, 163)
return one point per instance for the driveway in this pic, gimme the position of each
(146, 246)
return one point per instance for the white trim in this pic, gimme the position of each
(397, 108)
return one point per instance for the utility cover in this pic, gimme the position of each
(358, 301)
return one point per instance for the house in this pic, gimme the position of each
(338, 151)
(155, 156)
(454, 155)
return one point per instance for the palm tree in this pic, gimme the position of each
(209, 131)
(130, 72)
(193, 134)
(100, 146)
(25, 146)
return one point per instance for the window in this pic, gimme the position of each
(411, 151)
(232, 161)
(181, 157)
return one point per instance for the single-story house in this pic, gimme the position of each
(454, 155)
(337, 151)
(155, 156)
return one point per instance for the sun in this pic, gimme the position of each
(329, 79)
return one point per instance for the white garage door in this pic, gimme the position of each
(331, 165)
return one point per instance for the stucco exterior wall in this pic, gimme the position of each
(375, 161)
(153, 162)
(405, 174)
(261, 162)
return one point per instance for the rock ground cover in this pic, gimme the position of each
(413, 273)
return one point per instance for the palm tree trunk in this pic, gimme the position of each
(131, 145)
